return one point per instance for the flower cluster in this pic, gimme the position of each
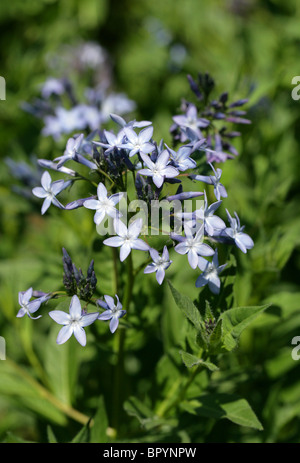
(208, 119)
(128, 163)
(80, 288)
(61, 109)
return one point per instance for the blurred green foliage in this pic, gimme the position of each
(251, 48)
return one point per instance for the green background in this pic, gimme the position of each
(251, 48)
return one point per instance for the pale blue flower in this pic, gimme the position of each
(27, 306)
(73, 322)
(138, 143)
(113, 312)
(219, 189)
(206, 216)
(52, 86)
(47, 164)
(49, 190)
(116, 103)
(191, 120)
(184, 195)
(216, 153)
(73, 145)
(159, 264)
(104, 205)
(210, 273)
(181, 159)
(63, 121)
(122, 123)
(236, 232)
(195, 141)
(193, 246)
(127, 238)
(160, 169)
(113, 141)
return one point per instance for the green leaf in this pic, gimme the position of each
(219, 406)
(98, 430)
(135, 407)
(186, 305)
(62, 361)
(191, 360)
(235, 320)
(16, 385)
(82, 437)
(12, 439)
(51, 436)
(147, 418)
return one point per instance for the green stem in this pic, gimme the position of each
(82, 177)
(169, 402)
(115, 265)
(119, 372)
(105, 175)
(45, 394)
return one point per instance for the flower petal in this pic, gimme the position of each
(99, 216)
(150, 268)
(140, 245)
(107, 315)
(33, 306)
(75, 307)
(46, 180)
(64, 334)
(89, 318)
(160, 275)
(193, 258)
(113, 324)
(21, 312)
(60, 317)
(101, 192)
(27, 295)
(46, 205)
(114, 241)
(120, 228)
(145, 135)
(39, 192)
(135, 228)
(80, 335)
(92, 204)
(124, 251)
(110, 302)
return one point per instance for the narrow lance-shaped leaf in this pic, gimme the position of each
(186, 305)
(192, 360)
(235, 320)
(220, 406)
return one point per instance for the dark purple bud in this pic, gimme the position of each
(39, 293)
(238, 120)
(127, 160)
(219, 115)
(93, 281)
(90, 269)
(237, 113)
(238, 103)
(194, 87)
(223, 97)
(232, 134)
(78, 203)
(76, 273)
(185, 195)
